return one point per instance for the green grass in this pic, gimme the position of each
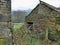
(33, 41)
(2, 42)
(17, 26)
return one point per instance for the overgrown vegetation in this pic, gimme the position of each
(22, 36)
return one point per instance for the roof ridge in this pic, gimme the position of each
(48, 5)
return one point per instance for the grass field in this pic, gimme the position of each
(17, 26)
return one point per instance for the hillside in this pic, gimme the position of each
(19, 15)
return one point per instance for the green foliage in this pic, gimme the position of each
(21, 33)
(33, 41)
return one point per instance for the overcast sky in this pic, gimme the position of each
(30, 4)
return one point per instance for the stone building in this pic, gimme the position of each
(44, 16)
(5, 19)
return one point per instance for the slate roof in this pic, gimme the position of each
(48, 5)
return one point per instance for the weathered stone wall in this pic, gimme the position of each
(33, 15)
(5, 10)
(5, 18)
(46, 19)
(44, 13)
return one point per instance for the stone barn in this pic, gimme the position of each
(44, 16)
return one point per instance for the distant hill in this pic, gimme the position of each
(19, 15)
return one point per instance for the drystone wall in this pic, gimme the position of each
(5, 18)
(46, 23)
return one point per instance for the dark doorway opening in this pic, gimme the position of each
(30, 25)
